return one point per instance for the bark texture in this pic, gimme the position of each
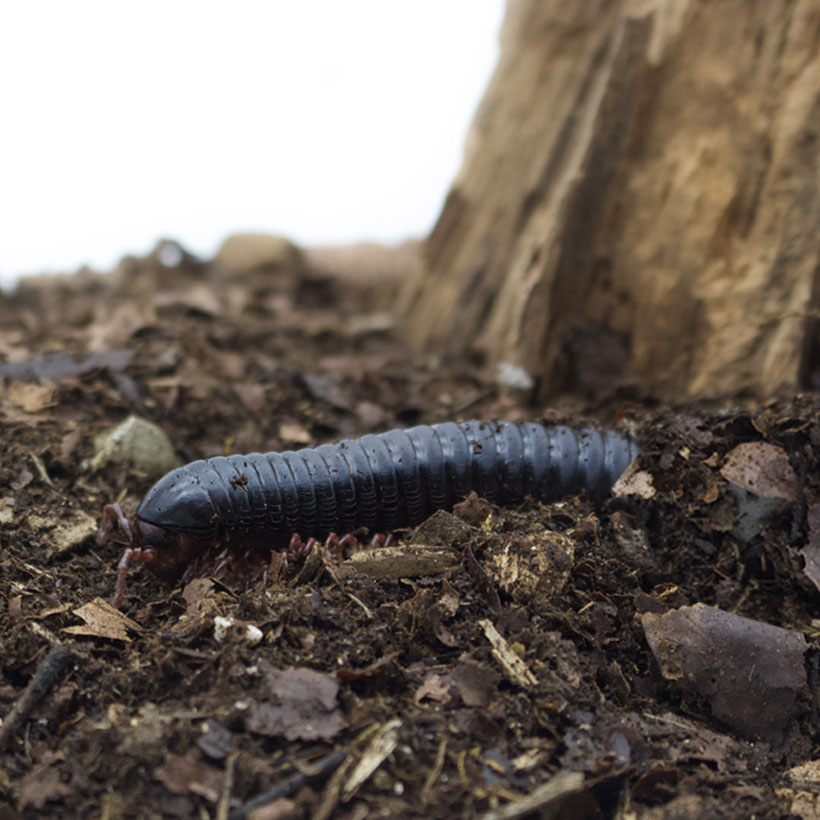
(638, 202)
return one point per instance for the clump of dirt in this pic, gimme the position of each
(568, 658)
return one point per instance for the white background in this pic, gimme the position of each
(323, 120)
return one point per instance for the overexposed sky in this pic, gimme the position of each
(324, 120)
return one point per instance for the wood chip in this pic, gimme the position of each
(514, 668)
(63, 534)
(558, 788)
(382, 745)
(404, 561)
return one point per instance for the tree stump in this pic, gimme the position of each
(639, 201)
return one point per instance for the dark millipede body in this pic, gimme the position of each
(256, 502)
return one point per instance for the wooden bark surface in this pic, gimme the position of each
(638, 202)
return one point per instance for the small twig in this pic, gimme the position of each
(434, 773)
(361, 603)
(41, 469)
(50, 670)
(547, 798)
(321, 771)
(223, 807)
(513, 666)
(486, 586)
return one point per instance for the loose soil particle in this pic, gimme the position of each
(497, 667)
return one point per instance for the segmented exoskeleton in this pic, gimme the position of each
(257, 502)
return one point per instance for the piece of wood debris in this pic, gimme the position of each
(513, 666)
(404, 561)
(558, 788)
(382, 745)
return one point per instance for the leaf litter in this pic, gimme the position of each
(651, 656)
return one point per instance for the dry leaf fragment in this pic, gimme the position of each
(307, 706)
(301, 684)
(294, 720)
(294, 433)
(475, 683)
(436, 687)
(31, 398)
(41, 785)
(254, 397)
(138, 443)
(762, 469)
(102, 621)
(806, 774)
(637, 483)
(345, 673)
(7, 507)
(180, 775)
(62, 534)
(404, 561)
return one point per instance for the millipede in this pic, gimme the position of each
(209, 511)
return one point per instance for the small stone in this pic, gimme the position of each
(138, 443)
(248, 252)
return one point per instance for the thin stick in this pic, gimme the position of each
(49, 671)
(319, 772)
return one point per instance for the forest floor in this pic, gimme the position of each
(651, 657)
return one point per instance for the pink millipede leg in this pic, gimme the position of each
(339, 545)
(297, 548)
(128, 555)
(113, 514)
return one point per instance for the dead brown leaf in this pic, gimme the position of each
(294, 433)
(634, 482)
(64, 532)
(23, 478)
(533, 564)
(31, 398)
(294, 720)
(307, 706)
(302, 684)
(181, 774)
(41, 785)
(435, 687)
(345, 673)
(762, 469)
(476, 683)
(102, 621)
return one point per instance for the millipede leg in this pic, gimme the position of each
(339, 545)
(130, 554)
(113, 514)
